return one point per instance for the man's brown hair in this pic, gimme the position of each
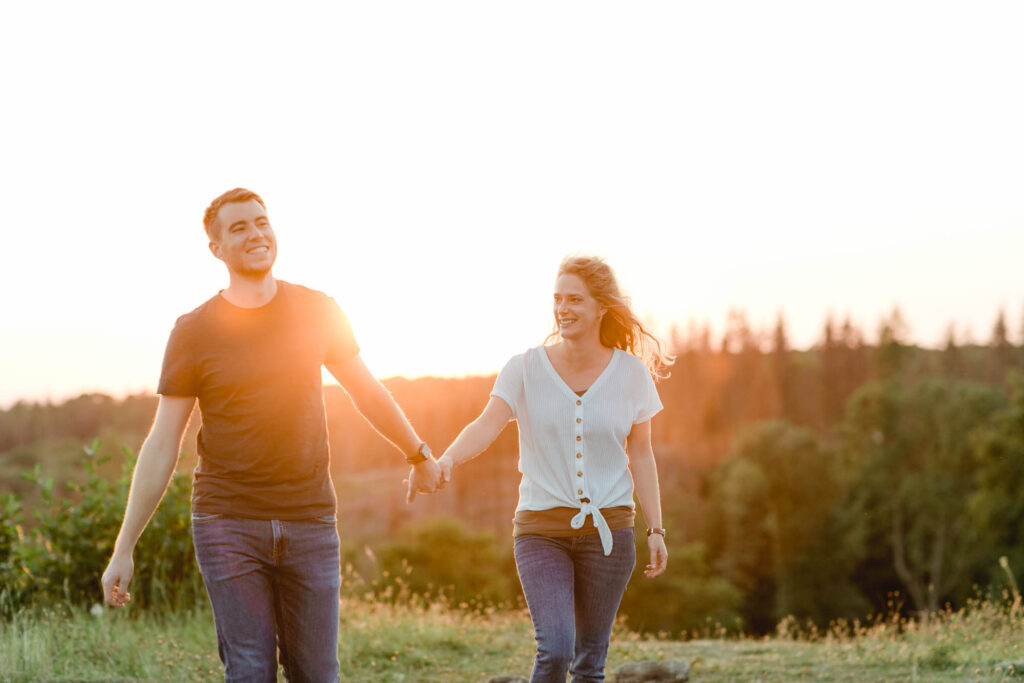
(239, 194)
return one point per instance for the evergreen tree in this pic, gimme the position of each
(781, 367)
(952, 356)
(831, 375)
(1001, 359)
(891, 353)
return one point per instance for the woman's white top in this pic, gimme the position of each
(572, 449)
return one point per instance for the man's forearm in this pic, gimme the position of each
(384, 415)
(153, 471)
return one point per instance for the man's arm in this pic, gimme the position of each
(153, 470)
(375, 403)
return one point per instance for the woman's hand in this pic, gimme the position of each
(659, 556)
(447, 465)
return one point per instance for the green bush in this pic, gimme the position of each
(687, 600)
(440, 557)
(13, 579)
(67, 550)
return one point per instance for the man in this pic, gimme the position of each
(263, 505)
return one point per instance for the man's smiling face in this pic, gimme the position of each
(245, 241)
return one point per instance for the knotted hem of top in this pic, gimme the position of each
(603, 530)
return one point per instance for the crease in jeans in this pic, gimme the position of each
(279, 540)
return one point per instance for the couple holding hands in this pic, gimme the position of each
(263, 504)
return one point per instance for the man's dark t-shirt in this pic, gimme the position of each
(263, 449)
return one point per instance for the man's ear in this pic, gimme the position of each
(215, 249)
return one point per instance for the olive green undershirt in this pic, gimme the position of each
(554, 522)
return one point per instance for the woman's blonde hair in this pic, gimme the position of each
(620, 328)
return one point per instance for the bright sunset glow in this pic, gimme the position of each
(429, 164)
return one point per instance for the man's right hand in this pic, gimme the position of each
(424, 477)
(116, 579)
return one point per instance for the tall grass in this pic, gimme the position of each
(73, 644)
(395, 636)
(440, 623)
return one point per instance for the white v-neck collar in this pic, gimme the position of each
(562, 383)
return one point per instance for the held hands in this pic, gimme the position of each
(659, 556)
(424, 477)
(420, 476)
(116, 579)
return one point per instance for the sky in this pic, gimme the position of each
(429, 164)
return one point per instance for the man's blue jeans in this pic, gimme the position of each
(573, 591)
(272, 584)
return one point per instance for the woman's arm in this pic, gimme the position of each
(478, 435)
(645, 478)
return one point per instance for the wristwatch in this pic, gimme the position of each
(655, 530)
(421, 454)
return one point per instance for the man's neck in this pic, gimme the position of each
(250, 292)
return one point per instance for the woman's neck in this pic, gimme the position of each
(583, 351)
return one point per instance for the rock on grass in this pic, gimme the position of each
(668, 671)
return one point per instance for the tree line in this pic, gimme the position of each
(816, 483)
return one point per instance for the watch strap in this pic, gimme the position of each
(421, 454)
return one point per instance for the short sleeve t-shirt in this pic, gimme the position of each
(263, 449)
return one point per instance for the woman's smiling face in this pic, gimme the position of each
(577, 312)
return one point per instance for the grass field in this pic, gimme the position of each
(383, 643)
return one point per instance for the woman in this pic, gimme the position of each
(584, 405)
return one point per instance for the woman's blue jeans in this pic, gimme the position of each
(273, 585)
(573, 591)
